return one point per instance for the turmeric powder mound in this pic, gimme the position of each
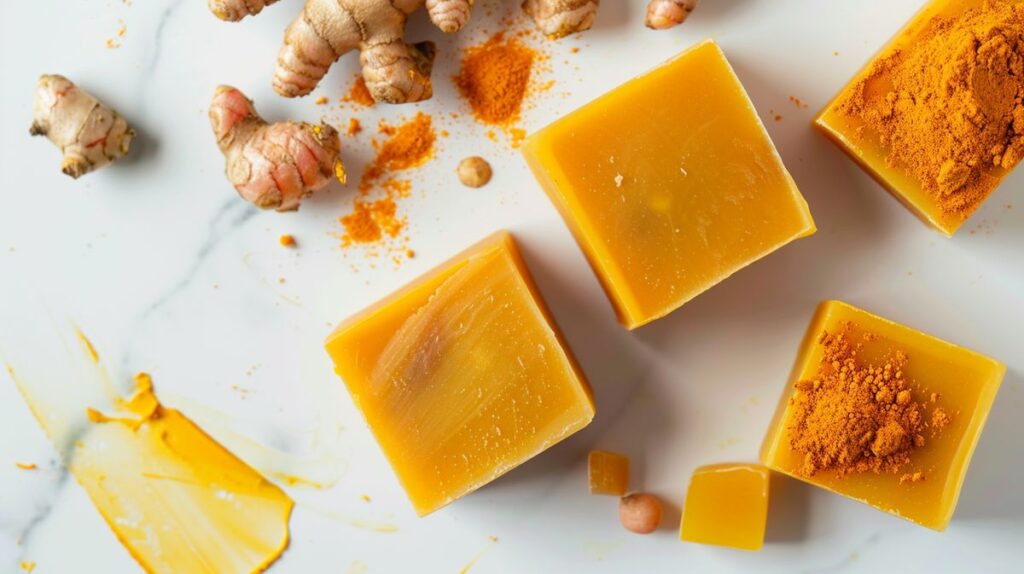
(949, 108)
(494, 78)
(406, 146)
(854, 417)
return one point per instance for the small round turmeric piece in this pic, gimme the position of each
(640, 512)
(474, 171)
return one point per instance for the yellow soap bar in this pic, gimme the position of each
(669, 183)
(965, 381)
(864, 145)
(727, 505)
(462, 375)
(608, 473)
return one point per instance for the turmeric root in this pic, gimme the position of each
(274, 166)
(558, 18)
(88, 133)
(395, 72)
(662, 14)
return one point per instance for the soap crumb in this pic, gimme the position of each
(354, 126)
(798, 102)
(321, 101)
(26, 465)
(915, 477)
(365, 498)
(287, 240)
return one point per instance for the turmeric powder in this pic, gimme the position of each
(494, 78)
(949, 108)
(375, 219)
(853, 417)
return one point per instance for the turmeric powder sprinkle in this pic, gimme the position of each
(949, 109)
(358, 93)
(376, 218)
(854, 417)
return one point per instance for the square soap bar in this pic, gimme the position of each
(965, 381)
(608, 473)
(727, 505)
(669, 183)
(865, 146)
(462, 375)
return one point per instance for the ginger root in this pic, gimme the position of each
(273, 166)
(558, 18)
(662, 14)
(395, 72)
(88, 133)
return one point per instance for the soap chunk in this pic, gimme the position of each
(963, 382)
(727, 505)
(931, 197)
(608, 473)
(669, 183)
(462, 375)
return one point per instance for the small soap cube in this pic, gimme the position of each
(608, 473)
(462, 375)
(727, 505)
(669, 183)
(950, 388)
(928, 183)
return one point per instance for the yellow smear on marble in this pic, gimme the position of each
(28, 566)
(87, 345)
(176, 499)
(26, 465)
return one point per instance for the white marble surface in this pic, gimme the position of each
(168, 271)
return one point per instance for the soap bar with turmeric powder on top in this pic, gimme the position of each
(607, 472)
(921, 405)
(727, 505)
(937, 117)
(669, 183)
(462, 375)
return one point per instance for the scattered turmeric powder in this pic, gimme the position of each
(322, 101)
(358, 93)
(854, 417)
(407, 146)
(949, 109)
(354, 126)
(287, 240)
(494, 77)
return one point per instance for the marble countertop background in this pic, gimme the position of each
(167, 271)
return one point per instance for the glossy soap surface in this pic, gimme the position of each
(669, 183)
(966, 382)
(727, 505)
(462, 375)
(864, 145)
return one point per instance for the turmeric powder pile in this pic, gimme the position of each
(949, 108)
(374, 215)
(494, 78)
(854, 417)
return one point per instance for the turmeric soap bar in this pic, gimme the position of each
(607, 473)
(669, 183)
(882, 414)
(937, 116)
(727, 505)
(462, 375)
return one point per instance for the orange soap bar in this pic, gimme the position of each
(669, 183)
(965, 381)
(462, 375)
(727, 505)
(866, 147)
(608, 473)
